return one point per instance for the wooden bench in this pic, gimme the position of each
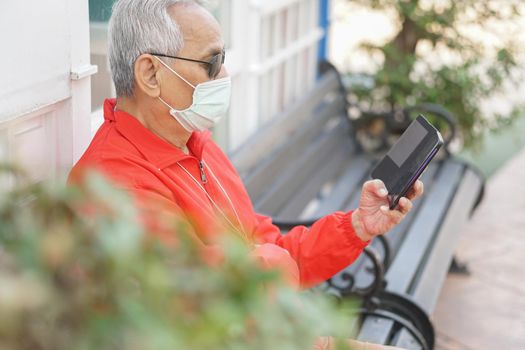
(307, 163)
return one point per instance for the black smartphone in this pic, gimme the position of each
(408, 158)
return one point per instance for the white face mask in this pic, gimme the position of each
(211, 101)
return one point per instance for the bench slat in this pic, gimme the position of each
(251, 152)
(406, 341)
(330, 170)
(438, 261)
(293, 177)
(422, 230)
(346, 186)
(292, 148)
(375, 330)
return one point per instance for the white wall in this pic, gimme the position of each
(44, 85)
(36, 54)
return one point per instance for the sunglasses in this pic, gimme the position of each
(214, 64)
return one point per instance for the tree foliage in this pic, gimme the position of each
(475, 72)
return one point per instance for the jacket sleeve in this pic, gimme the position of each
(321, 251)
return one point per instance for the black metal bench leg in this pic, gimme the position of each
(458, 267)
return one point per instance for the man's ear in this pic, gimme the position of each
(146, 75)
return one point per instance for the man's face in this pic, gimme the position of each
(202, 40)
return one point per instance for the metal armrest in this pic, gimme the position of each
(379, 274)
(287, 225)
(379, 263)
(405, 313)
(349, 288)
(477, 171)
(387, 249)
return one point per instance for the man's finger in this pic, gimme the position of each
(376, 187)
(419, 188)
(416, 191)
(405, 205)
(394, 215)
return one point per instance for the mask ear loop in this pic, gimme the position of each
(177, 74)
(166, 103)
(186, 124)
(181, 122)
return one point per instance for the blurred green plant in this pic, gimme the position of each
(408, 76)
(78, 272)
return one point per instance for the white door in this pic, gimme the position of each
(44, 84)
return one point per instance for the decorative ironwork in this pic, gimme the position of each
(405, 313)
(349, 287)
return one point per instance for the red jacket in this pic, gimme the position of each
(149, 167)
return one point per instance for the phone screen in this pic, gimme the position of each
(407, 143)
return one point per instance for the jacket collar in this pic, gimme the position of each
(156, 150)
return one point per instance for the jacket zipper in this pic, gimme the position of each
(203, 174)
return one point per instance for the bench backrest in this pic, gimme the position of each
(306, 164)
(290, 159)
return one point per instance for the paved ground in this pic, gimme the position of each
(486, 310)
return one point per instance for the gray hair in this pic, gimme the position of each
(137, 27)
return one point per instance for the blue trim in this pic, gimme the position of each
(324, 23)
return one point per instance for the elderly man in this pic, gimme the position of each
(166, 59)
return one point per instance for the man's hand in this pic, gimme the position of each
(374, 217)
